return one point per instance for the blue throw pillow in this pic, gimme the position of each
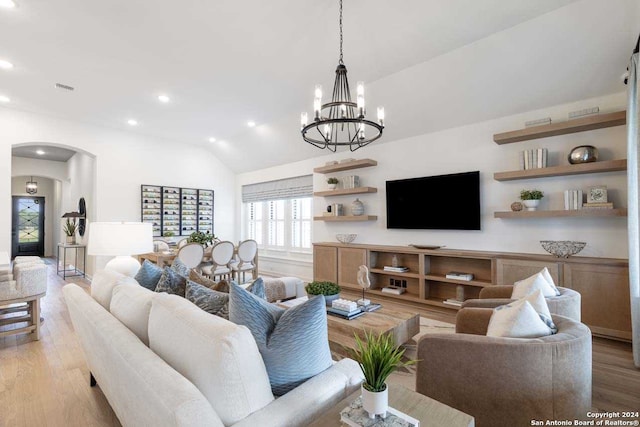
(211, 301)
(148, 275)
(256, 287)
(180, 267)
(171, 282)
(294, 343)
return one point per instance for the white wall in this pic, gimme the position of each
(46, 189)
(470, 148)
(123, 162)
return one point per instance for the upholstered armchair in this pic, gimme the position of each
(20, 291)
(566, 304)
(507, 381)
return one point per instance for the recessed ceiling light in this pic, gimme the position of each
(132, 122)
(212, 139)
(9, 4)
(4, 98)
(251, 123)
(5, 65)
(40, 153)
(163, 98)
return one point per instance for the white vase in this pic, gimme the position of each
(375, 403)
(332, 186)
(531, 205)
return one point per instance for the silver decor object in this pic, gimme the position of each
(583, 154)
(562, 248)
(346, 238)
(357, 207)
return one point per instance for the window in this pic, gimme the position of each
(278, 214)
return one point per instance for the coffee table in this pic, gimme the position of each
(428, 411)
(402, 325)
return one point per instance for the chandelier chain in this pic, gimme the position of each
(340, 61)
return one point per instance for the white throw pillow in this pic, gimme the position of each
(541, 280)
(517, 320)
(131, 306)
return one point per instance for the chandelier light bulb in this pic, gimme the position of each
(343, 111)
(318, 92)
(361, 131)
(381, 116)
(361, 105)
(317, 107)
(327, 131)
(360, 89)
(303, 119)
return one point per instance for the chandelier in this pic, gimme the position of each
(32, 187)
(341, 122)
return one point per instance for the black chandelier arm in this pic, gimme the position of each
(353, 142)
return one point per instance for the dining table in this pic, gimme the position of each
(166, 257)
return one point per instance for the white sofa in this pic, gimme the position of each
(162, 361)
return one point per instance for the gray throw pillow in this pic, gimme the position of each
(180, 267)
(211, 301)
(171, 282)
(257, 288)
(294, 343)
(148, 275)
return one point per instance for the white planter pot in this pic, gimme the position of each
(332, 186)
(531, 205)
(375, 403)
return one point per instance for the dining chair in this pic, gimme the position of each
(191, 254)
(221, 255)
(182, 242)
(247, 260)
(160, 245)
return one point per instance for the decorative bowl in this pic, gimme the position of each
(346, 238)
(583, 154)
(562, 248)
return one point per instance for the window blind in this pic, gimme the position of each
(288, 188)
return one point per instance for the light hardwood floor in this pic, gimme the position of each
(46, 382)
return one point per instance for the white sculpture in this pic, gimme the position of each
(365, 283)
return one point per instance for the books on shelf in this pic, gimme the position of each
(573, 200)
(459, 275)
(396, 269)
(393, 290)
(352, 181)
(339, 313)
(598, 205)
(453, 301)
(534, 158)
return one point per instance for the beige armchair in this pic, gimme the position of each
(566, 304)
(20, 291)
(507, 381)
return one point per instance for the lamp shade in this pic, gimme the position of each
(120, 238)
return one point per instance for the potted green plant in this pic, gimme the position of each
(205, 239)
(333, 182)
(169, 234)
(378, 357)
(531, 198)
(330, 290)
(69, 229)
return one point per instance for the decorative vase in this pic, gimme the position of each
(357, 208)
(375, 402)
(328, 299)
(71, 240)
(531, 205)
(332, 186)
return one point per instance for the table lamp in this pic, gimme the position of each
(120, 239)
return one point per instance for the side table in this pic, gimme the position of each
(74, 271)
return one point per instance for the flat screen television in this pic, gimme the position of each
(440, 202)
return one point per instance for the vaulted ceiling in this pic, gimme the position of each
(433, 64)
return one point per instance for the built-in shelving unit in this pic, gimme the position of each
(335, 218)
(598, 121)
(563, 213)
(578, 169)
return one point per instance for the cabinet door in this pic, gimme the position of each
(509, 271)
(604, 294)
(325, 264)
(349, 260)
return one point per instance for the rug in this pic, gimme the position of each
(406, 375)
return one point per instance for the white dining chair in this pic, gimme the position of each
(221, 255)
(191, 254)
(247, 253)
(160, 245)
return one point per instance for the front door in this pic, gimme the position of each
(27, 231)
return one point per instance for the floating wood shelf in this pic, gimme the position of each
(594, 167)
(345, 166)
(569, 213)
(346, 218)
(345, 191)
(598, 121)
